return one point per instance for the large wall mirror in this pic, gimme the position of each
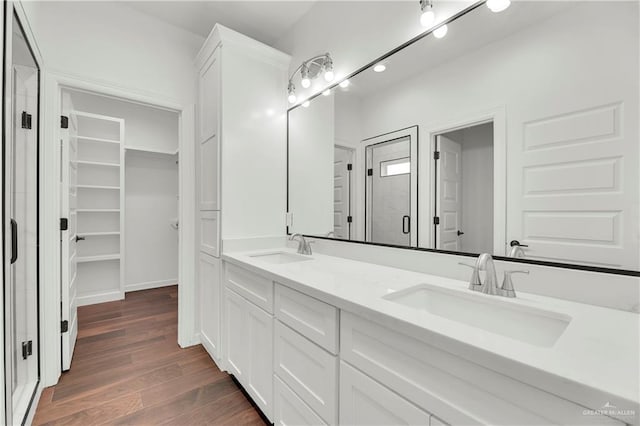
(516, 134)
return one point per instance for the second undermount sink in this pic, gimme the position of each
(280, 257)
(527, 324)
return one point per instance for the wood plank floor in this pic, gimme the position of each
(129, 370)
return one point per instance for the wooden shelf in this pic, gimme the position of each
(100, 140)
(97, 210)
(96, 163)
(98, 234)
(100, 258)
(98, 187)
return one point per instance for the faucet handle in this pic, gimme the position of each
(507, 282)
(475, 276)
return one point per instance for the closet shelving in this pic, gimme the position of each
(100, 206)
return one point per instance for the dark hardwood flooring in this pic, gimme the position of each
(128, 369)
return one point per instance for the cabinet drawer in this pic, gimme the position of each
(364, 401)
(310, 371)
(450, 387)
(289, 409)
(253, 287)
(312, 318)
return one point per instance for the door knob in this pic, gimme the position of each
(515, 243)
(79, 238)
(460, 233)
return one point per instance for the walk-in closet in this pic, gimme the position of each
(120, 171)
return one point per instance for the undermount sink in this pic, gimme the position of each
(528, 324)
(280, 257)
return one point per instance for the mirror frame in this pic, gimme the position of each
(392, 52)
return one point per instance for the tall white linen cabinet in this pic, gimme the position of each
(240, 176)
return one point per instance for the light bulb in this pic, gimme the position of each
(379, 68)
(306, 104)
(329, 76)
(441, 31)
(498, 5)
(427, 18)
(305, 82)
(326, 92)
(344, 84)
(292, 98)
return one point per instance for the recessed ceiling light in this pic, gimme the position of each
(344, 84)
(498, 5)
(306, 104)
(326, 92)
(441, 31)
(380, 68)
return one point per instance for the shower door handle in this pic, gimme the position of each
(406, 224)
(14, 241)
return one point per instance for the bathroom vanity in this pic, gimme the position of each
(323, 340)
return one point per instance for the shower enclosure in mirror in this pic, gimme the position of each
(516, 134)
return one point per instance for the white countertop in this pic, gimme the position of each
(596, 360)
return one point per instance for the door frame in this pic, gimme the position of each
(352, 184)
(55, 82)
(412, 133)
(428, 171)
(8, 10)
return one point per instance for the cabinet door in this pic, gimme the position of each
(209, 173)
(210, 233)
(210, 304)
(209, 96)
(235, 324)
(259, 335)
(363, 401)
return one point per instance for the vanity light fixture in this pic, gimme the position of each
(310, 69)
(428, 16)
(498, 5)
(380, 68)
(441, 31)
(344, 84)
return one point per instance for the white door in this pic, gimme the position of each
(68, 238)
(449, 194)
(389, 192)
(21, 321)
(342, 171)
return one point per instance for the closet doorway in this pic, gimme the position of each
(120, 196)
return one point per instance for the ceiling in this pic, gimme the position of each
(266, 21)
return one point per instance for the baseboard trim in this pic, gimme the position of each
(150, 284)
(92, 299)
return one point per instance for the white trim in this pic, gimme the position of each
(50, 289)
(150, 284)
(108, 296)
(427, 145)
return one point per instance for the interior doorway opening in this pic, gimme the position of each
(464, 189)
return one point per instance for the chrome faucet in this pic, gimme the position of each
(304, 246)
(490, 284)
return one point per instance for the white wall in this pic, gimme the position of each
(145, 127)
(311, 156)
(355, 33)
(109, 42)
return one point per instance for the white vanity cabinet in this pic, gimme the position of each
(248, 334)
(210, 296)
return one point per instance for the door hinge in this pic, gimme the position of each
(27, 349)
(369, 172)
(436, 220)
(26, 120)
(349, 167)
(64, 224)
(64, 326)
(64, 122)
(349, 219)
(436, 155)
